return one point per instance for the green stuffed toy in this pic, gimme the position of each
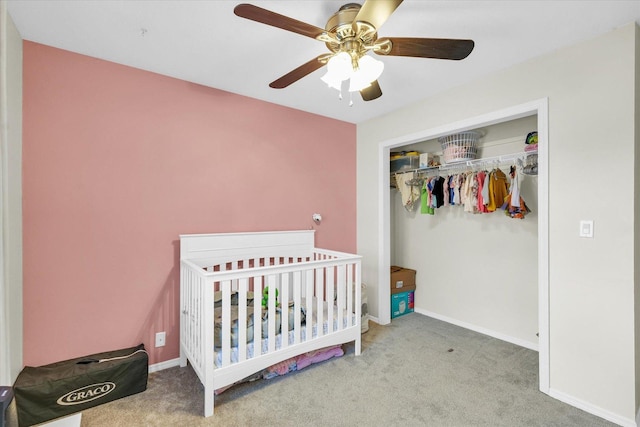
(265, 297)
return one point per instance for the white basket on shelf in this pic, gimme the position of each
(460, 147)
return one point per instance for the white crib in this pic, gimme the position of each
(317, 303)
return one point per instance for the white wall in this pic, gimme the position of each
(11, 199)
(475, 270)
(590, 88)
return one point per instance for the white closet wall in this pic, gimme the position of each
(10, 199)
(475, 270)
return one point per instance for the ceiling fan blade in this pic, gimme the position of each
(376, 12)
(425, 48)
(265, 16)
(371, 92)
(298, 73)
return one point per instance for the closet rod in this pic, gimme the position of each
(505, 158)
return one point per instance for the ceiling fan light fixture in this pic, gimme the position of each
(370, 67)
(332, 81)
(358, 81)
(339, 66)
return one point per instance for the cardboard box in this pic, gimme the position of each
(401, 304)
(402, 279)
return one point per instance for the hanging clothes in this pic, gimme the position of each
(452, 189)
(485, 190)
(476, 191)
(438, 192)
(514, 206)
(425, 208)
(498, 189)
(445, 190)
(433, 201)
(458, 181)
(471, 193)
(482, 185)
(463, 188)
(515, 187)
(409, 193)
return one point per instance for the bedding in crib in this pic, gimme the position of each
(265, 319)
(217, 338)
(291, 340)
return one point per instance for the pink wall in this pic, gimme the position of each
(118, 162)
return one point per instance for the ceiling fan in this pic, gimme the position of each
(349, 35)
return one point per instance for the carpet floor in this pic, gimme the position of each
(417, 371)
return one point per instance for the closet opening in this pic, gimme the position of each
(485, 272)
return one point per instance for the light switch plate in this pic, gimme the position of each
(586, 229)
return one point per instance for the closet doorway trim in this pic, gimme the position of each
(539, 108)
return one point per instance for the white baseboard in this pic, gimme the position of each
(479, 329)
(592, 409)
(164, 365)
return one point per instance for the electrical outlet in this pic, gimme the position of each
(160, 339)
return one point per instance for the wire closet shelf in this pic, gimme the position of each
(476, 164)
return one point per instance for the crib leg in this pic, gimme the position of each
(208, 401)
(358, 343)
(183, 357)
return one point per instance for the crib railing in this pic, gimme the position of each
(323, 289)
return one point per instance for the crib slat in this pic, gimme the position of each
(357, 266)
(297, 306)
(194, 318)
(257, 316)
(201, 330)
(308, 283)
(242, 319)
(197, 330)
(271, 310)
(343, 295)
(284, 304)
(226, 322)
(350, 293)
(330, 283)
(319, 301)
(196, 290)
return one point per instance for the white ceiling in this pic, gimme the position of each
(205, 43)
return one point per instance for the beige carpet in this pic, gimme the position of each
(415, 372)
